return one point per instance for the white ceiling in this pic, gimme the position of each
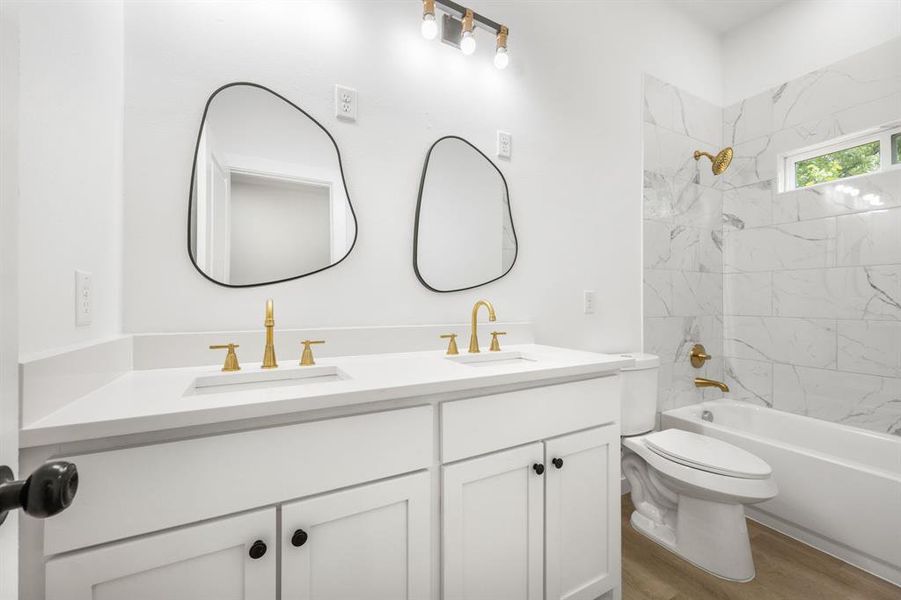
(722, 16)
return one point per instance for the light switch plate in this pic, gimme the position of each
(504, 144)
(589, 301)
(84, 298)
(345, 103)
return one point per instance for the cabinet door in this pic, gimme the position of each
(202, 562)
(582, 514)
(367, 543)
(492, 523)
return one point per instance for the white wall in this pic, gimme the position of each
(9, 184)
(802, 36)
(571, 98)
(70, 169)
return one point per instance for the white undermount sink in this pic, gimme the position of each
(256, 379)
(492, 359)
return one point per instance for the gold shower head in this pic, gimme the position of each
(720, 162)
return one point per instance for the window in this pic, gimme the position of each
(837, 165)
(858, 154)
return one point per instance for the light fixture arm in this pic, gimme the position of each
(468, 21)
(460, 11)
(502, 37)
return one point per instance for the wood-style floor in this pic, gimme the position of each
(786, 570)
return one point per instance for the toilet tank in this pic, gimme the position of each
(639, 396)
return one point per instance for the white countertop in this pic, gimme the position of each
(155, 400)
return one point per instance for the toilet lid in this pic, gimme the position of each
(707, 454)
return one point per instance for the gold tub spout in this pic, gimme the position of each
(703, 382)
(474, 336)
(269, 353)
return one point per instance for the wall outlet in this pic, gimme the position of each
(588, 301)
(504, 144)
(84, 298)
(345, 103)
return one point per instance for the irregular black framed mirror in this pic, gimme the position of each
(464, 235)
(268, 201)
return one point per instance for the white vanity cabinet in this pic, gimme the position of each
(503, 493)
(368, 542)
(203, 562)
(582, 514)
(492, 526)
(538, 521)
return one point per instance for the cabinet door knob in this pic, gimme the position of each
(558, 462)
(299, 538)
(257, 549)
(539, 468)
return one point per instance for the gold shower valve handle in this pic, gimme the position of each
(231, 359)
(698, 356)
(306, 359)
(495, 344)
(452, 344)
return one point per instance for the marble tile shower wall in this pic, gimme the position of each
(683, 260)
(812, 278)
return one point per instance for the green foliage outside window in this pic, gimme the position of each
(836, 165)
(896, 144)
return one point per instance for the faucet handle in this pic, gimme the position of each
(231, 359)
(452, 344)
(495, 344)
(306, 359)
(698, 356)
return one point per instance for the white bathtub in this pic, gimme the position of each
(839, 486)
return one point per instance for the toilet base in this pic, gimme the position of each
(713, 536)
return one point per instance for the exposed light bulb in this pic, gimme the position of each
(429, 27)
(467, 43)
(501, 58)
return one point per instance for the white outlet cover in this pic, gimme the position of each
(84, 298)
(345, 103)
(589, 301)
(504, 144)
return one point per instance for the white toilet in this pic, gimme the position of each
(689, 490)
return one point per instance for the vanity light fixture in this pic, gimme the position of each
(501, 58)
(467, 40)
(429, 27)
(458, 28)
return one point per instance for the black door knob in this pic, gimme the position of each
(48, 491)
(257, 549)
(299, 538)
(539, 468)
(558, 462)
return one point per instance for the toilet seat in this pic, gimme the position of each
(701, 483)
(707, 454)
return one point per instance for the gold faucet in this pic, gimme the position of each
(495, 344)
(474, 337)
(269, 323)
(703, 382)
(306, 357)
(231, 359)
(452, 344)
